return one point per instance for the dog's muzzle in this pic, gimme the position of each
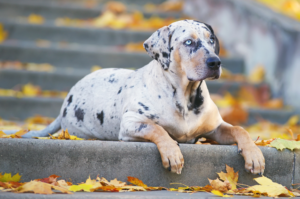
(213, 64)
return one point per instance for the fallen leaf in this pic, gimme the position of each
(3, 33)
(8, 178)
(40, 188)
(269, 187)
(285, 144)
(218, 193)
(35, 19)
(219, 185)
(81, 187)
(136, 181)
(231, 176)
(257, 75)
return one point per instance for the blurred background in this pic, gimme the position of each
(46, 46)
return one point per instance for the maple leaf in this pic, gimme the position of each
(219, 185)
(231, 176)
(50, 180)
(219, 193)
(136, 181)
(8, 178)
(40, 188)
(15, 135)
(285, 144)
(81, 187)
(269, 187)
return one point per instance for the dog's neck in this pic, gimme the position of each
(184, 91)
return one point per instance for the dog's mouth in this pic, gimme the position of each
(209, 75)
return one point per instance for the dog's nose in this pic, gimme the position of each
(213, 63)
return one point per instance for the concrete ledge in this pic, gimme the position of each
(79, 159)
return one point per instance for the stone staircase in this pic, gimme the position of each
(84, 47)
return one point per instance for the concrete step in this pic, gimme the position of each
(86, 3)
(92, 36)
(52, 10)
(22, 108)
(79, 159)
(86, 56)
(62, 79)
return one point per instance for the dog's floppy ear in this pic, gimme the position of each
(158, 46)
(217, 44)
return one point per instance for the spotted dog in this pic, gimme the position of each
(165, 102)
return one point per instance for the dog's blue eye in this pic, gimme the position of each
(188, 42)
(212, 40)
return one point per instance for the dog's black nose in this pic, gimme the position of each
(213, 63)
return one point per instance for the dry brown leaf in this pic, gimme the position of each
(219, 185)
(231, 176)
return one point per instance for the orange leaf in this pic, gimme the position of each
(219, 185)
(136, 181)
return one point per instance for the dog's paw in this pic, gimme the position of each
(171, 156)
(254, 159)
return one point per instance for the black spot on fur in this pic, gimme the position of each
(131, 86)
(152, 117)
(159, 96)
(146, 46)
(156, 56)
(158, 32)
(65, 112)
(183, 31)
(196, 101)
(100, 117)
(120, 90)
(111, 78)
(198, 45)
(207, 52)
(176, 39)
(70, 100)
(171, 49)
(178, 105)
(164, 40)
(165, 55)
(142, 126)
(111, 117)
(140, 111)
(79, 114)
(174, 90)
(144, 106)
(114, 104)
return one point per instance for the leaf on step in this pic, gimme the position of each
(231, 176)
(35, 19)
(8, 178)
(219, 193)
(136, 181)
(257, 75)
(50, 180)
(219, 185)
(285, 144)
(40, 188)
(269, 187)
(81, 187)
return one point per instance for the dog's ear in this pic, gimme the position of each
(217, 44)
(158, 46)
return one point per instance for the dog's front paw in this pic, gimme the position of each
(171, 156)
(254, 159)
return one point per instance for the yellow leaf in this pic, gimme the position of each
(230, 176)
(35, 19)
(81, 187)
(257, 75)
(2, 133)
(3, 33)
(95, 68)
(7, 177)
(269, 187)
(293, 120)
(218, 193)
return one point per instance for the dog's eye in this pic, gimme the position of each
(188, 42)
(212, 40)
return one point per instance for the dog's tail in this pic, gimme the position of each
(50, 129)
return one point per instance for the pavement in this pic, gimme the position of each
(116, 195)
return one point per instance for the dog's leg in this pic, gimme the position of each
(227, 134)
(133, 129)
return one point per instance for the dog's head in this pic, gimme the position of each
(190, 45)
